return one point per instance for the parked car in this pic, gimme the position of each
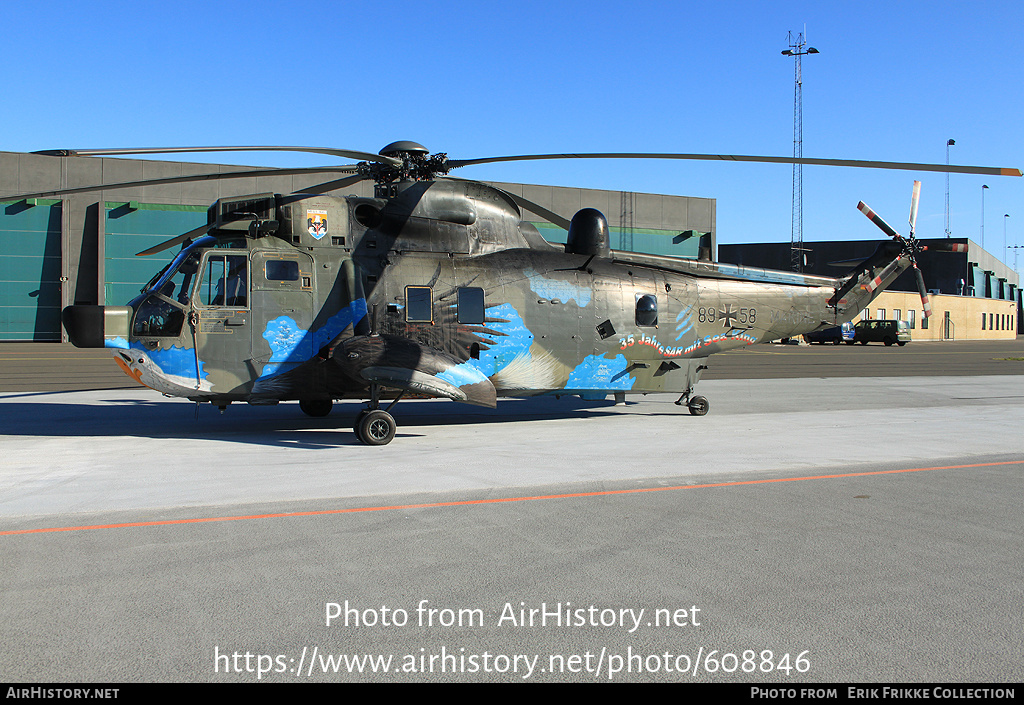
(887, 332)
(834, 335)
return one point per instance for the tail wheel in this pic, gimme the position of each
(698, 405)
(376, 428)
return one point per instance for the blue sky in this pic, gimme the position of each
(894, 80)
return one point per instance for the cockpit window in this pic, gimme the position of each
(158, 318)
(178, 286)
(225, 281)
(181, 271)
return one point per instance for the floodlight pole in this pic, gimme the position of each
(984, 187)
(796, 50)
(1005, 216)
(949, 143)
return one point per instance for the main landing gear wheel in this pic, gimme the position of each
(376, 427)
(698, 405)
(316, 407)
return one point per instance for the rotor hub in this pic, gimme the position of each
(417, 164)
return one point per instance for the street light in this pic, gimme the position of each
(796, 247)
(983, 188)
(949, 143)
(1005, 216)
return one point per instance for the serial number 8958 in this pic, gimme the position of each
(710, 315)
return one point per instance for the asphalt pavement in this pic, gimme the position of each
(839, 527)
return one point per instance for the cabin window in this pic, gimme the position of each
(282, 270)
(418, 306)
(225, 281)
(646, 310)
(471, 305)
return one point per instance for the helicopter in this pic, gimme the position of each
(439, 287)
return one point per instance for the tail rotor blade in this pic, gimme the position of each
(913, 205)
(877, 220)
(926, 303)
(946, 247)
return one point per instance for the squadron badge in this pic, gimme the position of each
(316, 221)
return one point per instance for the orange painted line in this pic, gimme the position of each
(467, 502)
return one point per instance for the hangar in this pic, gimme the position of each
(80, 248)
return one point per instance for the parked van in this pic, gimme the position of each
(887, 332)
(834, 335)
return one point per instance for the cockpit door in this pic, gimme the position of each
(221, 322)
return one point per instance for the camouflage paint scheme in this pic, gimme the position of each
(554, 322)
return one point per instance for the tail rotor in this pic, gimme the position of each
(909, 244)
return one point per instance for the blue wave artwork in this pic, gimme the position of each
(290, 344)
(180, 362)
(513, 340)
(558, 289)
(599, 372)
(684, 324)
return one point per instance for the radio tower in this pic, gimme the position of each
(796, 248)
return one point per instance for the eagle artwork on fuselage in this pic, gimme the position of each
(440, 287)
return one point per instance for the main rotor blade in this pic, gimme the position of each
(334, 185)
(168, 244)
(185, 179)
(525, 204)
(346, 153)
(540, 210)
(994, 171)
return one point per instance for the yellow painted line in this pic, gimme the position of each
(505, 500)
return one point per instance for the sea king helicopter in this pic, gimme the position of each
(440, 287)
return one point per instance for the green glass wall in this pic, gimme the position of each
(30, 270)
(134, 227)
(642, 240)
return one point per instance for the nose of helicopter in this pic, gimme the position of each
(91, 326)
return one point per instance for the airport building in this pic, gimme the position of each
(974, 296)
(80, 248)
